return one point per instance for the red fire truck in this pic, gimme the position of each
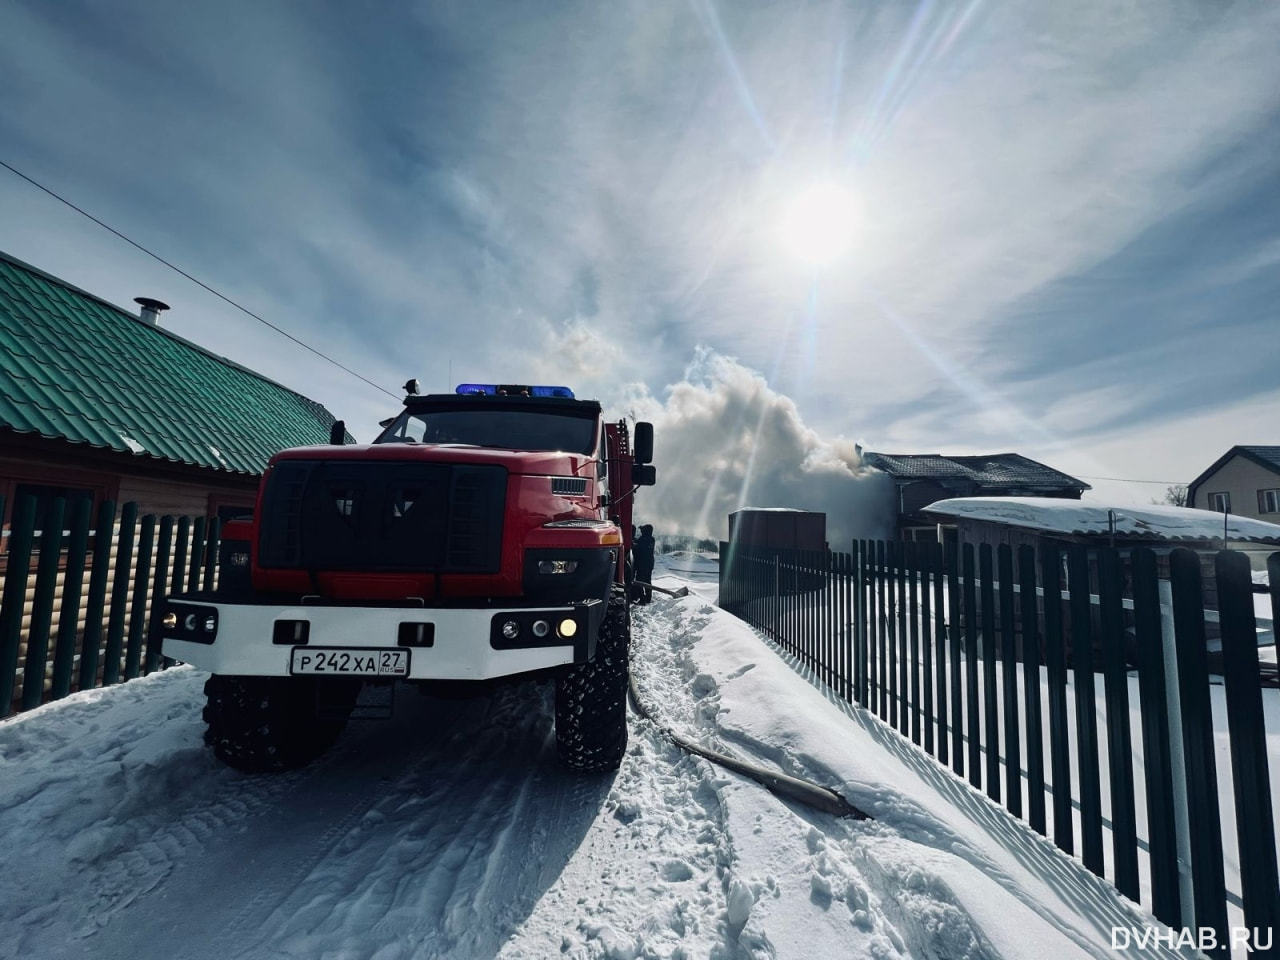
(484, 534)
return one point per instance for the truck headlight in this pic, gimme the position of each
(557, 566)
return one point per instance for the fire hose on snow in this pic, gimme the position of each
(781, 784)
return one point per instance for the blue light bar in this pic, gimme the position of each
(513, 390)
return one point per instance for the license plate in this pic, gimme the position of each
(349, 662)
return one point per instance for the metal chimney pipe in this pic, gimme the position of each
(151, 310)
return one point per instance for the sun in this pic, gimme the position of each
(818, 224)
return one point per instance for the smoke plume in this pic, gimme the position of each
(724, 440)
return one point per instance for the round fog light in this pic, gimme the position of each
(541, 628)
(189, 621)
(567, 628)
(170, 620)
(511, 629)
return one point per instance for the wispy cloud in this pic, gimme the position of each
(466, 184)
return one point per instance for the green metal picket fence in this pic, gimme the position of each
(979, 657)
(78, 594)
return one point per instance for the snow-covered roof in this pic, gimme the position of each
(1084, 518)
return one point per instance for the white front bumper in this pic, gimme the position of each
(461, 650)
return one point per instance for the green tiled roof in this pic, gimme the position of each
(77, 368)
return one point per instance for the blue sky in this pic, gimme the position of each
(1066, 240)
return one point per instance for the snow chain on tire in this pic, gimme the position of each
(591, 698)
(259, 724)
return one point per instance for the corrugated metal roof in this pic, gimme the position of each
(1269, 454)
(994, 470)
(76, 368)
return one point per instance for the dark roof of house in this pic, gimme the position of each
(77, 368)
(1268, 457)
(993, 470)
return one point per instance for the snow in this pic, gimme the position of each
(1052, 515)
(449, 830)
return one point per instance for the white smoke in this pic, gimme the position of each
(724, 440)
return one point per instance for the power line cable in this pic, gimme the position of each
(199, 283)
(1171, 483)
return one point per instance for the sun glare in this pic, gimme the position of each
(817, 225)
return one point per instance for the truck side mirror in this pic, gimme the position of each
(644, 475)
(644, 442)
(338, 433)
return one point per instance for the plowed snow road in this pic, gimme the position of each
(449, 831)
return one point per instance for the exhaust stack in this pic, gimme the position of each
(151, 310)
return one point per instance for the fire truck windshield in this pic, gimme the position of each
(506, 429)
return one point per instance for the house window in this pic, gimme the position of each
(1269, 501)
(1221, 502)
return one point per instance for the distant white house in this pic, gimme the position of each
(1244, 481)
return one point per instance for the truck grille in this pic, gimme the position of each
(569, 486)
(383, 516)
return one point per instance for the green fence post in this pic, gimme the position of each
(954, 641)
(1086, 697)
(904, 668)
(138, 607)
(1209, 885)
(72, 589)
(1250, 772)
(927, 573)
(1153, 697)
(1009, 682)
(13, 605)
(1124, 830)
(990, 694)
(1055, 659)
(1031, 687)
(159, 590)
(914, 612)
(42, 607)
(120, 594)
(940, 648)
(197, 554)
(92, 639)
(973, 729)
(177, 583)
(215, 539)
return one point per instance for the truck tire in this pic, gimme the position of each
(591, 699)
(262, 724)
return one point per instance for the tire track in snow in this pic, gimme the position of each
(130, 756)
(465, 828)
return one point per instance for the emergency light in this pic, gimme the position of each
(514, 390)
